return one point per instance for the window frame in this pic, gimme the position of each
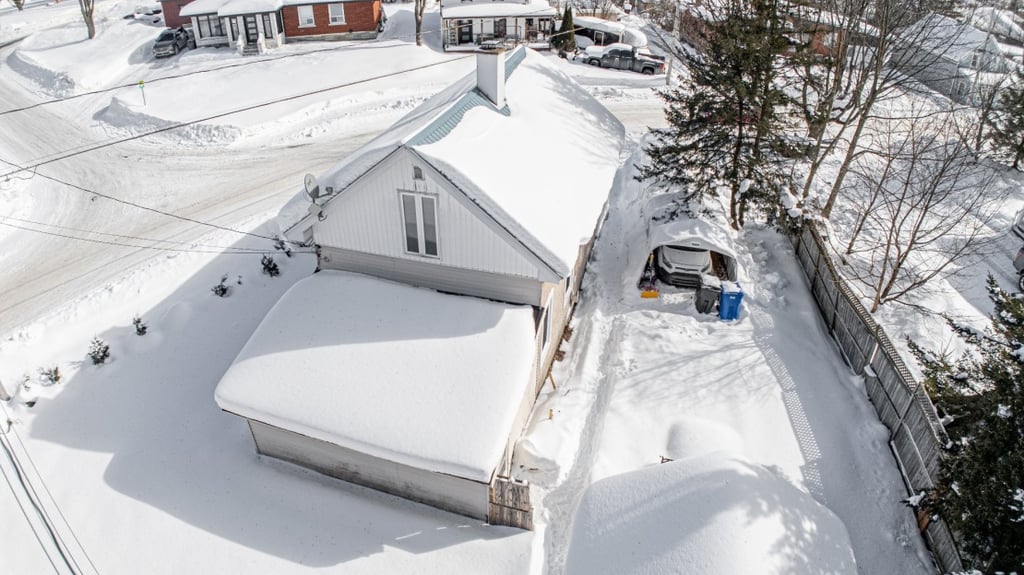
(212, 23)
(419, 201)
(545, 338)
(268, 26)
(331, 16)
(312, 16)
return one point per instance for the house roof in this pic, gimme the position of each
(541, 167)
(998, 22)
(497, 9)
(940, 35)
(201, 7)
(405, 374)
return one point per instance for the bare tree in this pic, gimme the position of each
(87, 9)
(928, 205)
(19, 4)
(418, 9)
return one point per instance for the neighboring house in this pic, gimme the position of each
(451, 250)
(254, 26)
(952, 58)
(466, 23)
(603, 32)
(171, 9)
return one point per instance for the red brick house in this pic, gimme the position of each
(254, 26)
(172, 17)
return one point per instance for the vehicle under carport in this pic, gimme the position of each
(685, 251)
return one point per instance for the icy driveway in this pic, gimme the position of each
(649, 379)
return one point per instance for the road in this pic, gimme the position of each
(226, 185)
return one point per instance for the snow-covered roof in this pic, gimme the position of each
(598, 24)
(715, 514)
(200, 7)
(239, 7)
(940, 35)
(668, 224)
(497, 9)
(406, 374)
(541, 167)
(998, 22)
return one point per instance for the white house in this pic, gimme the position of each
(451, 248)
(952, 58)
(465, 23)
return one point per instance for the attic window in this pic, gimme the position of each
(417, 173)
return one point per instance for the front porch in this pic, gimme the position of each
(468, 33)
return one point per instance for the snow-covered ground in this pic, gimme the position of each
(145, 472)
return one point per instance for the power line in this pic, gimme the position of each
(123, 245)
(248, 62)
(147, 208)
(33, 498)
(53, 500)
(64, 156)
(28, 519)
(121, 236)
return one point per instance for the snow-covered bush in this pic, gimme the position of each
(270, 266)
(221, 289)
(281, 246)
(99, 351)
(140, 326)
(51, 375)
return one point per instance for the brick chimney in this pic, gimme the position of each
(490, 75)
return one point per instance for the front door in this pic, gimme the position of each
(465, 31)
(499, 28)
(251, 33)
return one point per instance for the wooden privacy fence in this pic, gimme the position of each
(915, 433)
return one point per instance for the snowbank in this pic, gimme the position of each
(716, 514)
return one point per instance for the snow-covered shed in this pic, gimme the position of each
(489, 193)
(395, 387)
(713, 514)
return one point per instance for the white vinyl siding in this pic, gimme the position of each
(367, 218)
(306, 17)
(337, 13)
(419, 219)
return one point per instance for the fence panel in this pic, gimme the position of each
(916, 433)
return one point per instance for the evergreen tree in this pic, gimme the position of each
(1007, 131)
(565, 39)
(724, 126)
(99, 351)
(980, 492)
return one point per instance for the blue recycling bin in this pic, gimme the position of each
(729, 303)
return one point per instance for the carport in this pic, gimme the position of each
(669, 224)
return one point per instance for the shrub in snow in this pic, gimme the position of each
(51, 375)
(280, 246)
(980, 491)
(140, 326)
(270, 266)
(99, 351)
(222, 290)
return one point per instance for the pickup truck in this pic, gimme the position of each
(624, 57)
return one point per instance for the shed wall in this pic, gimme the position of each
(447, 492)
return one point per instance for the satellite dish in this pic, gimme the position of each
(312, 187)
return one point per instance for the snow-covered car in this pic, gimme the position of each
(170, 42)
(683, 266)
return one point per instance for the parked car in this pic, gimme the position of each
(625, 57)
(170, 42)
(683, 266)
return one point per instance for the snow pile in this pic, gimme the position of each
(716, 514)
(125, 117)
(402, 373)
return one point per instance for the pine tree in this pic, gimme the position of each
(724, 127)
(1007, 131)
(99, 351)
(980, 492)
(565, 39)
